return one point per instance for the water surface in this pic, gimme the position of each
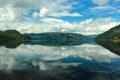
(87, 61)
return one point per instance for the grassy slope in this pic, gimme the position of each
(11, 38)
(57, 39)
(56, 36)
(9, 35)
(112, 34)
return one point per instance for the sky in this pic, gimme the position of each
(86, 17)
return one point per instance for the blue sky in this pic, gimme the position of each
(77, 16)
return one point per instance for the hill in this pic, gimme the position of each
(112, 34)
(56, 39)
(11, 38)
(55, 36)
(10, 35)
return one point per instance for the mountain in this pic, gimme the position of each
(112, 34)
(12, 39)
(56, 39)
(55, 36)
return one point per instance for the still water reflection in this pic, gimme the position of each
(40, 62)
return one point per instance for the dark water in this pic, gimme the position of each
(87, 61)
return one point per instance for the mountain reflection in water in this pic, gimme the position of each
(110, 45)
(77, 62)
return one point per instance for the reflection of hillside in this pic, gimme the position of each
(10, 44)
(55, 42)
(72, 74)
(16, 43)
(110, 45)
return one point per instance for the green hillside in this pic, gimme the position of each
(56, 39)
(10, 35)
(11, 38)
(56, 36)
(112, 34)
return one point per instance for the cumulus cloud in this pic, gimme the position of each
(48, 13)
(104, 7)
(100, 2)
(65, 13)
(43, 12)
(52, 20)
(35, 15)
(86, 27)
(14, 9)
(9, 13)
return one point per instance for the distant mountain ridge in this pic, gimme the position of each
(112, 34)
(54, 36)
(56, 39)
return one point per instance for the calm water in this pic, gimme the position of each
(40, 62)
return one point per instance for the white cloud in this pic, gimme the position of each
(52, 20)
(65, 13)
(88, 26)
(100, 2)
(43, 12)
(103, 8)
(110, 8)
(54, 9)
(14, 9)
(35, 15)
(9, 13)
(57, 8)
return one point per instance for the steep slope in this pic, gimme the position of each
(112, 34)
